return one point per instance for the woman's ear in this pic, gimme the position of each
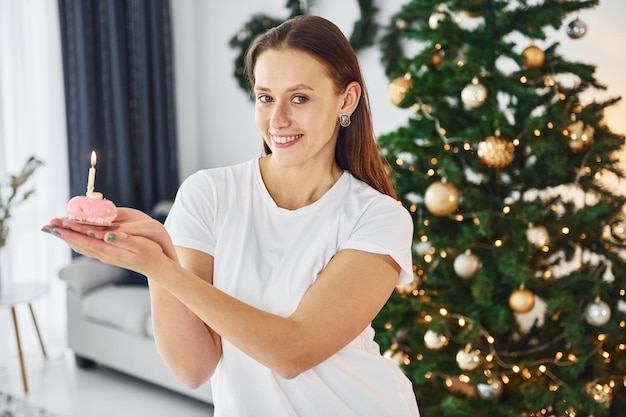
(351, 97)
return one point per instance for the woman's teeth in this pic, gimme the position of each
(285, 139)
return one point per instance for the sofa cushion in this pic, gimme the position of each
(123, 307)
(84, 274)
(149, 328)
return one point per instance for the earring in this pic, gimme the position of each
(344, 120)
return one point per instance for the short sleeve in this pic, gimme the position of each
(386, 227)
(191, 220)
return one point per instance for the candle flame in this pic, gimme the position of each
(93, 158)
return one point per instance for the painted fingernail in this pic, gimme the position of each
(90, 234)
(66, 227)
(110, 237)
(56, 232)
(54, 225)
(43, 229)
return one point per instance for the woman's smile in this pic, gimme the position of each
(285, 139)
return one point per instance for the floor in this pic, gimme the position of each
(57, 385)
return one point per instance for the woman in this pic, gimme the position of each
(267, 274)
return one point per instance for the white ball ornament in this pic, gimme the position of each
(437, 17)
(490, 390)
(474, 94)
(618, 230)
(597, 313)
(538, 236)
(396, 356)
(466, 265)
(467, 359)
(434, 340)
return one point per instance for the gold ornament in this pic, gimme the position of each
(533, 57)
(436, 59)
(441, 198)
(474, 94)
(398, 89)
(522, 300)
(495, 152)
(580, 135)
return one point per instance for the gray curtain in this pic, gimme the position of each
(119, 90)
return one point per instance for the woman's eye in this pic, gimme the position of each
(300, 99)
(264, 98)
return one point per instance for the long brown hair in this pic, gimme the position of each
(357, 150)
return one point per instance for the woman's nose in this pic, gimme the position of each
(280, 115)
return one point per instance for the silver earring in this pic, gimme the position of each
(344, 120)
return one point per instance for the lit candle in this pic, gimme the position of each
(92, 178)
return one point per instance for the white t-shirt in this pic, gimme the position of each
(268, 257)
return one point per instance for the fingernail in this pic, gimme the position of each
(90, 234)
(43, 229)
(110, 237)
(54, 225)
(66, 227)
(56, 233)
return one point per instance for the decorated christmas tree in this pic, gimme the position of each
(518, 304)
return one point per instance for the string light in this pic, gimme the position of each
(541, 365)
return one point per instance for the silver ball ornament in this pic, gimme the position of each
(491, 390)
(466, 265)
(474, 94)
(576, 29)
(597, 313)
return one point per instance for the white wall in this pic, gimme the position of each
(215, 117)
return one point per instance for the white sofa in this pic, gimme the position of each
(109, 323)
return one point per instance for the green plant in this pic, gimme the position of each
(12, 188)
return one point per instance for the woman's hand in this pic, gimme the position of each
(135, 241)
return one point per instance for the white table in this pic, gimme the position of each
(13, 294)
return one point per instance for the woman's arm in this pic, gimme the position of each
(346, 296)
(186, 344)
(337, 307)
(190, 348)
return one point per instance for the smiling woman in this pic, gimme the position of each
(250, 272)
